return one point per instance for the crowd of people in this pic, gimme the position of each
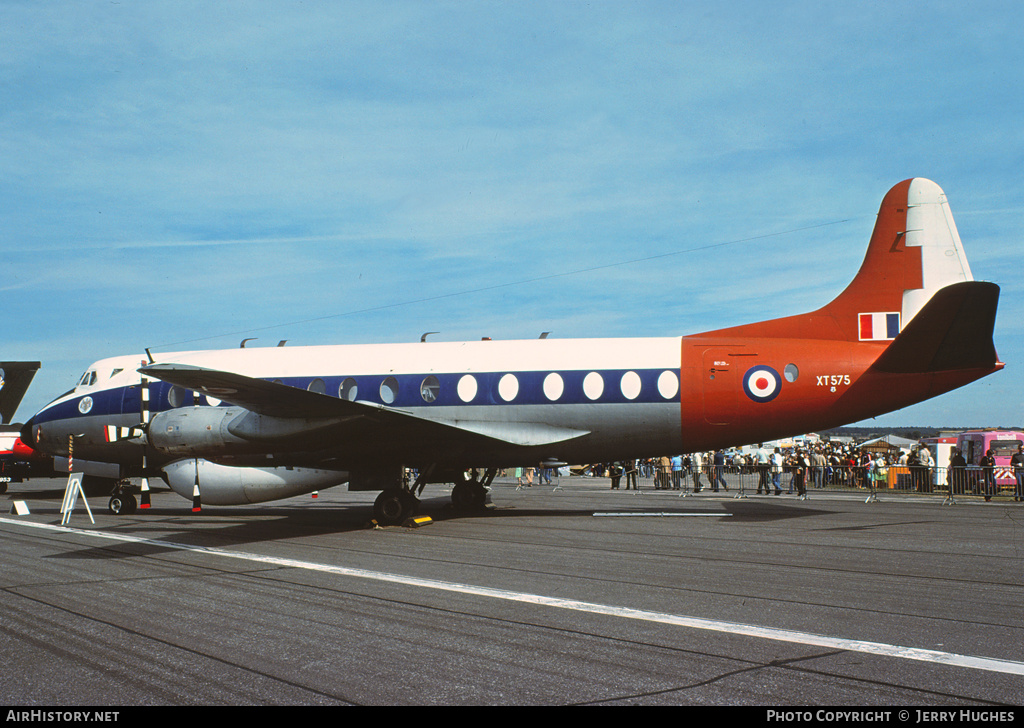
(815, 466)
(794, 469)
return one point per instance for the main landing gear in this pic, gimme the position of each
(471, 494)
(395, 505)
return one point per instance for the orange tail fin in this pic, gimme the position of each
(915, 251)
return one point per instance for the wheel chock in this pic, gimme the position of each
(19, 508)
(418, 521)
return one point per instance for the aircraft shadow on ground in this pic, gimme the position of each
(226, 527)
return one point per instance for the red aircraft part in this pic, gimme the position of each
(767, 380)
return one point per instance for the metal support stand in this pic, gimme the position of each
(71, 493)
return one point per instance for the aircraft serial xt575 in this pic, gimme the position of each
(255, 424)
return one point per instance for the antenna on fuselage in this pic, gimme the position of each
(423, 339)
(242, 345)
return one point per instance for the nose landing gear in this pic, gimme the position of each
(122, 501)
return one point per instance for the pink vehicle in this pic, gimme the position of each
(1003, 444)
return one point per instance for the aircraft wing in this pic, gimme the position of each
(273, 399)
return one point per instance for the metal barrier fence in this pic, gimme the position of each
(939, 481)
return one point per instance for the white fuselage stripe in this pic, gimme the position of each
(881, 649)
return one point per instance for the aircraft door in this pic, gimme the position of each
(131, 401)
(713, 375)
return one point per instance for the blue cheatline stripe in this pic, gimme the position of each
(881, 649)
(529, 387)
(530, 390)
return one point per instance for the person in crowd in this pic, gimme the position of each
(776, 465)
(719, 471)
(878, 471)
(800, 464)
(664, 475)
(924, 456)
(955, 475)
(817, 468)
(913, 463)
(615, 473)
(631, 472)
(763, 468)
(1017, 463)
(695, 461)
(677, 472)
(988, 475)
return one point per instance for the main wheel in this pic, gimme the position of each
(469, 496)
(393, 506)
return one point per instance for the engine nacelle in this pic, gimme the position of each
(227, 485)
(195, 430)
(220, 431)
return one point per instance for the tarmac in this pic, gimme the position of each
(576, 595)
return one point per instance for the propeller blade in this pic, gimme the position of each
(196, 500)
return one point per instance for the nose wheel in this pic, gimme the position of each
(122, 504)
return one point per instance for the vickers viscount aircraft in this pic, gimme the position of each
(254, 424)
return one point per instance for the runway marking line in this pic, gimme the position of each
(989, 664)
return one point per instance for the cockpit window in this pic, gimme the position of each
(88, 379)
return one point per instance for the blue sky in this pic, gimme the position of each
(183, 175)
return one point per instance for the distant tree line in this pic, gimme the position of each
(914, 432)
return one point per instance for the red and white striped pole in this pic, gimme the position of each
(144, 496)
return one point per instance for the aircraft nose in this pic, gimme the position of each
(21, 449)
(27, 433)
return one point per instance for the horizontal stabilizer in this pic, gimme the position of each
(953, 331)
(15, 376)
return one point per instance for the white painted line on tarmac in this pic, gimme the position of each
(666, 514)
(989, 664)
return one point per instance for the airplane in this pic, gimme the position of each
(17, 461)
(15, 378)
(247, 425)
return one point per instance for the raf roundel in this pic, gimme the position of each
(762, 383)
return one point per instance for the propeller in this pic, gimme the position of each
(115, 433)
(144, 484)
